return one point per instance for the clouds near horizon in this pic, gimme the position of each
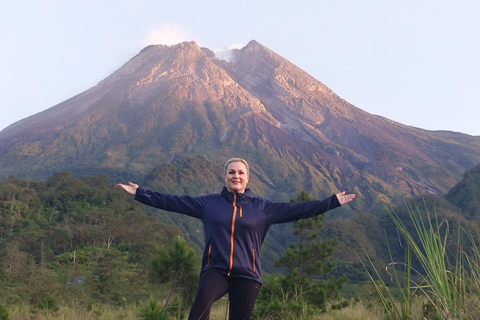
(167, 34)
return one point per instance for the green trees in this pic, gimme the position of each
(75, 239)
(305, 259)
(303, 288)
(81, 239)
(177, 264)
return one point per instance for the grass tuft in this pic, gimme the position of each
(450, 283)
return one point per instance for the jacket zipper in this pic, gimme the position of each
(232, 232)
(208, 257)
(253, 255)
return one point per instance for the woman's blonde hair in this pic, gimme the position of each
(237, 160)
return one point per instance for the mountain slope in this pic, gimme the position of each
(465, 194)
(174, 102)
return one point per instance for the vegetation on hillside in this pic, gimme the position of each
(301, 290)
(81, 240)
(76, 239)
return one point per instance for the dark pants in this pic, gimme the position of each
(214, 285)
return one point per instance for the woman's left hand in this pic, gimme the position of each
(345, 198)
(130, 188)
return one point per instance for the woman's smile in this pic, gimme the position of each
(236, 177)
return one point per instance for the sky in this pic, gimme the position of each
(416, 62)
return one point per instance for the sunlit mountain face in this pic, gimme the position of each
(181, 105)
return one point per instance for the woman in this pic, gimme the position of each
(235, 225)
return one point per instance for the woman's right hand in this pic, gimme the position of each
(343, 197)
(130, 188)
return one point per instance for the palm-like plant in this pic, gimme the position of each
(153, 311)
(176, 264)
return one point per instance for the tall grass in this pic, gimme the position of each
(449, 281)
(397, 302)
(355, 311)
(96, 312)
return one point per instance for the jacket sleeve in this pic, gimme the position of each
(191, 206)
(288, 212)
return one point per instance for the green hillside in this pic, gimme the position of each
(76, 239)
(83, 239)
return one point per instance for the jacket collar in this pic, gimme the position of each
(229, 195)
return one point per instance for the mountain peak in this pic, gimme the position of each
(169, 102)
(254, 45)
(180, 45)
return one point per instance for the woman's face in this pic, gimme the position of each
(236, 177)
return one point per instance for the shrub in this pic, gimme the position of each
(3, 313)
(176, 309)
(153, 311)
(340, 305)
(48, 303)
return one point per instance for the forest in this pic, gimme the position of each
(83, 241)
(77, 239)
(79, 243)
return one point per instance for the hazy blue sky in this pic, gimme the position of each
(413, 61)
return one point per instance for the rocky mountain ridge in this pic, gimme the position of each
(173, 102)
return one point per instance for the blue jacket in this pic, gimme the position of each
(235, 225)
